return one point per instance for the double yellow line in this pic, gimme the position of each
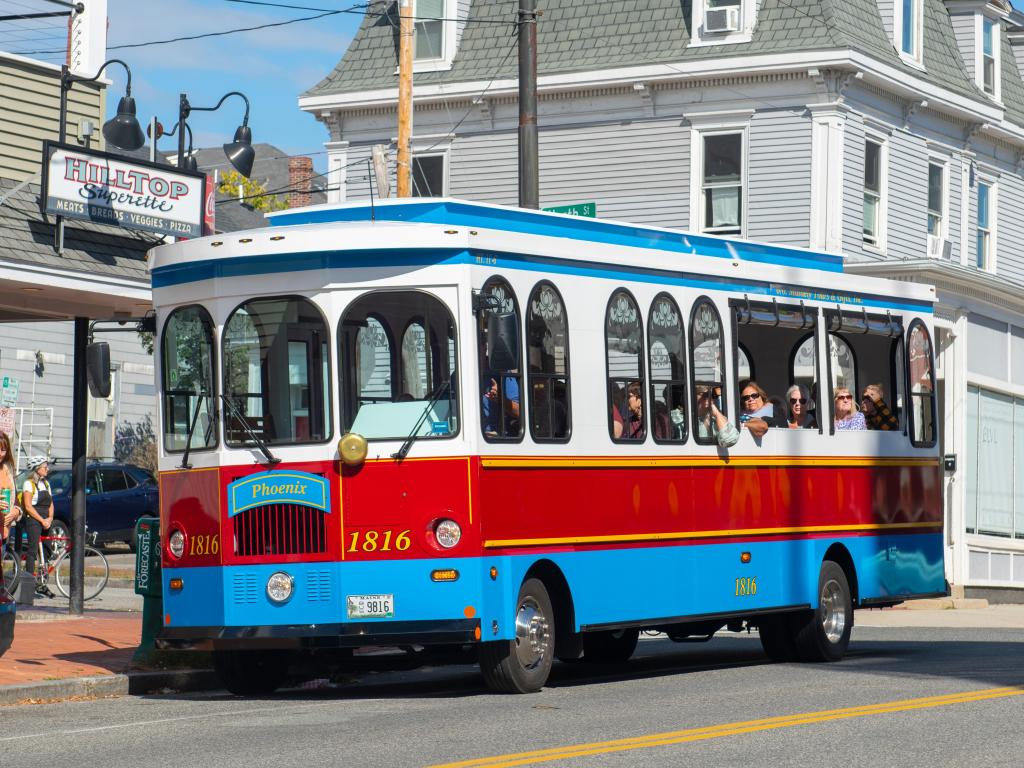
(730, 729)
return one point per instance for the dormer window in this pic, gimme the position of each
(429, 30)
(908, 29)
(989, 43)
(718, 22)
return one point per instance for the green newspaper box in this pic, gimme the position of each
(147, 557)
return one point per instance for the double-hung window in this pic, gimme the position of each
(909, 23)
(989, 36)
(722, 184)
(936, 204)
(429, 30)
(428, 173)
(983, 236)
(874, 156)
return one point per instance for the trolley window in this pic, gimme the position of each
(187, 362)
(501, 377)
(276, 373)
(624, 344)
(707, 367)
(668, 371)
(547, 352)
(921, 369)
(392, 390)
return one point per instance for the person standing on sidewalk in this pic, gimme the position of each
(9, 511)
(37, 500)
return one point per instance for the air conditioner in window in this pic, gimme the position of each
(722, 19)
(939, 248)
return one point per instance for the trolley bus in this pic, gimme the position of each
(436, 423)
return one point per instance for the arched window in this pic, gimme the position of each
(624, 344)
(921, 372)
(373, 350)
(500, 361)
(666, 352)
(707, 367)
(187, 363)
(415, 362)
(842, 363)
(744, 368)
(547, 358)
(276, 373)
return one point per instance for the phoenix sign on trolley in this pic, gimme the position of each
(110, 189)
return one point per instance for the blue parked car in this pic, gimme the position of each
(117, 495)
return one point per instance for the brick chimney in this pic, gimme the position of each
(300, 176)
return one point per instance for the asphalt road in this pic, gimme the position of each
(903, 697)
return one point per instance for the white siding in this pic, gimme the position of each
(779, 178)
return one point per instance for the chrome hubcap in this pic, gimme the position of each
(533, 634)
(833, 611)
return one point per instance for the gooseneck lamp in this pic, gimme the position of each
(239, 151)
(122, 130)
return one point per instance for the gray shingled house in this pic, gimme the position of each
(889, 132)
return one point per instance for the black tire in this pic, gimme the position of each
(97, 573)
(522, 665)
(10, 567)
(824, 633)
(250, 673)
(777, 637)
(610, 647)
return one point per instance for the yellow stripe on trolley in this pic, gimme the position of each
(720, 534)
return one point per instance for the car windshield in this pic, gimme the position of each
(60, 481)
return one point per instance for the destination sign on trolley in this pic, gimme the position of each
(123, 192)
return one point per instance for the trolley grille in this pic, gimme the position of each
(280, 529)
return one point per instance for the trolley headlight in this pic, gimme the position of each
(280, 586)
(447, 533)
(176, 543)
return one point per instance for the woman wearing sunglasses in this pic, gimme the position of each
(846, 411)
(799, 408)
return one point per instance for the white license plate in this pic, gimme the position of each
(371, 606)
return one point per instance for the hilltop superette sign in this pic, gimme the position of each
(110, 189)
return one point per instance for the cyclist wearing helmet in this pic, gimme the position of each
(37, 501)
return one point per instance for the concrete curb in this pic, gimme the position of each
(130, 684)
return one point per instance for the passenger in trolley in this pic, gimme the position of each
(800, 407)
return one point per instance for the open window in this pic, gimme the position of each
(398, 358)
(187, 367)
(547, 358)
(498, 335)
(667, 355)
(779, 342)
(276, 373)
(624, 345)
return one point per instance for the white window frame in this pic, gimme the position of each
(444, 153)
(914, 56)
(979, 56)
(699, 38)
(449, 28)
(697, 134)
(879, 246)
(990, 181)
(943, 233)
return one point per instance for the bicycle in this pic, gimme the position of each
(54, 557)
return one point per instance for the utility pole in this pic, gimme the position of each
(406, 40)
(529, 175)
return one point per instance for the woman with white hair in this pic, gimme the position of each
(37, 502)
(799, 407)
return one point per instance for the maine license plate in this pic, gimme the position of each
(371, 606)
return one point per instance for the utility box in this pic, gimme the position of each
(148, 580)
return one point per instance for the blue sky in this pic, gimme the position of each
(272, 66)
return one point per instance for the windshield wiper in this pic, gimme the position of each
(402, 452)
(191, 430)
(271, 458)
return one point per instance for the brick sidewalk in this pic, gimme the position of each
(50, 645)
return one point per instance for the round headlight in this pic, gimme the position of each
(447, 533)
(280, 586)
(352, 448)
(176, 544)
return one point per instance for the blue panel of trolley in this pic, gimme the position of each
(608, 586)
(459, 213)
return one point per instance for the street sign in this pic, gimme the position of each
(586, 210)
(7, 421)
(9, 391)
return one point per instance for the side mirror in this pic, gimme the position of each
(97, 366)
(502, 342)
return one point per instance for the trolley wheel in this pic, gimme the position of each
(250, 673)
(824, 633)
(97, 573)
(777, 637)
(522, 665)
(610, 647)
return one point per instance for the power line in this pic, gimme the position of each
(367, 12)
